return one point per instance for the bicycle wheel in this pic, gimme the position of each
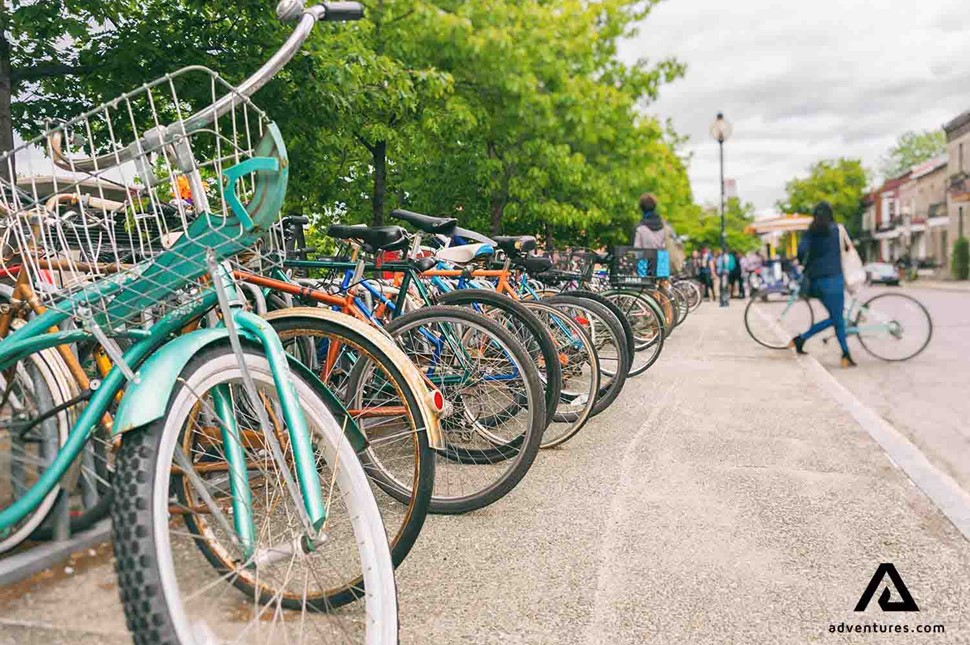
(893, 326)
(608, 340)
(580, 370)
(681, 307)
(667, 308)
(88, 483)
(535, 336)
(692, 292)
(372, 387)
(625, 324)
(772, 318)
(648, 326)
(30, 388)
(497, 416)
(183, 575)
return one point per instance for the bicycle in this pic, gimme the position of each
(890, 326)
(232, 467)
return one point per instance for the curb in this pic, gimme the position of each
(939, 487)
(942, 489)
(939, 286)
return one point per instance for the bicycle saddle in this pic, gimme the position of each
(426, 223)
(533, 264)
(515, 244)
(464, 254)
(424, 264)
(372, 238)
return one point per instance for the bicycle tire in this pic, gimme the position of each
(144, 560)
(767, 332)
(520, 451)
(415, 495)
(648, 327)
(620, 318)
(870, 347)
(612, 385)
(36, 369)
(540, 343)
(571, 391)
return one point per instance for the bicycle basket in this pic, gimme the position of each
(631, 266)
(577, 263)
(112, 214)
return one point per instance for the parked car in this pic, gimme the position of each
(881, 273)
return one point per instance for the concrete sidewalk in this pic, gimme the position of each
(723, 498)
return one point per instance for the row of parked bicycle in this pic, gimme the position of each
(267, 428)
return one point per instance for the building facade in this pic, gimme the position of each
(923, 226)
(887, 220)
(958, 176)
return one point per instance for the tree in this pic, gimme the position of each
(841, 182)
(705, 229)
(515, 117)
(46, 40)
(961, 259)
(910, 149)
(543, 133)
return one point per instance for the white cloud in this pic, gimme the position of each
(803, 81)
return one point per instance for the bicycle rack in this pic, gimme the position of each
(25, 562)
(44, 555)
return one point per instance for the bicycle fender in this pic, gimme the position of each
(147, 400)
(143, 402)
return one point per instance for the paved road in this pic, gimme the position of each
(724, 498)
(927, 398)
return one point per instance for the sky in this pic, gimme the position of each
(802, 81)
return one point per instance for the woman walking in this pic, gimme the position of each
(820, 253)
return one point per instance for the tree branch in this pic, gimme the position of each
(50, 70)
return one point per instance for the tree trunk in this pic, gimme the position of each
(379, 154)
(6, 89)
(495, 209)
(499, 197)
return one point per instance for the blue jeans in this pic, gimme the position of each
(831, 291)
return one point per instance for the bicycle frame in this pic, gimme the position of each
(853, 308)
(354, 305)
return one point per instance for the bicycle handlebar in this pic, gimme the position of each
(286, 10)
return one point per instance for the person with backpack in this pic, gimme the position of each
(725, 265)
(736, 275)
(649, 233)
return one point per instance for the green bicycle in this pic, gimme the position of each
(235, 466)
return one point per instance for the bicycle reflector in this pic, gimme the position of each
(437, 401)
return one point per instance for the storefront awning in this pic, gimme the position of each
(783, 224)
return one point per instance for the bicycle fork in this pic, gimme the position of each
(305, 489)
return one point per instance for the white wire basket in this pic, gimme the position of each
(113, 213)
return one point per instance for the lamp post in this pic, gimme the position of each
(721, 131)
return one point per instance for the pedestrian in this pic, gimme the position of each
(704, 271)
(649, 233)
(690, 265)
(820, 254)
(736, 276)
(725, 264)
(711, 262)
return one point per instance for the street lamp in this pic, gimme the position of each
(721, 131)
